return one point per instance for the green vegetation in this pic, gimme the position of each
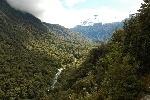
(118, 69)
(32, 51)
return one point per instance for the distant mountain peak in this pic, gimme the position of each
(87, 22)
(90, 21)
(97, 31)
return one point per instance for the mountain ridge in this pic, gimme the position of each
(99, 32)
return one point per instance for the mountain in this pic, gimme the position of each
(31, 51)
(42, 61)
(120, 68)
(98, 32)
(67, 34)
(22, 28)
(87, 22)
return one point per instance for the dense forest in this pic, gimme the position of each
(33, 53)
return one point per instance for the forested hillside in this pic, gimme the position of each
(34, 53)
(120, 68)
(31, 53)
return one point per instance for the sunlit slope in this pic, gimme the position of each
(31, 52)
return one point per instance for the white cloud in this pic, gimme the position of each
(70, 3)
(32, 6)
(70, 18)
(133, 5)
(129, 1)
(52, 11)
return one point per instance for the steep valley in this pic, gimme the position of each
(43, 61)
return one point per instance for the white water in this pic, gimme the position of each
(56, 76)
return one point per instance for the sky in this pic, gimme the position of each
(70, 13)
